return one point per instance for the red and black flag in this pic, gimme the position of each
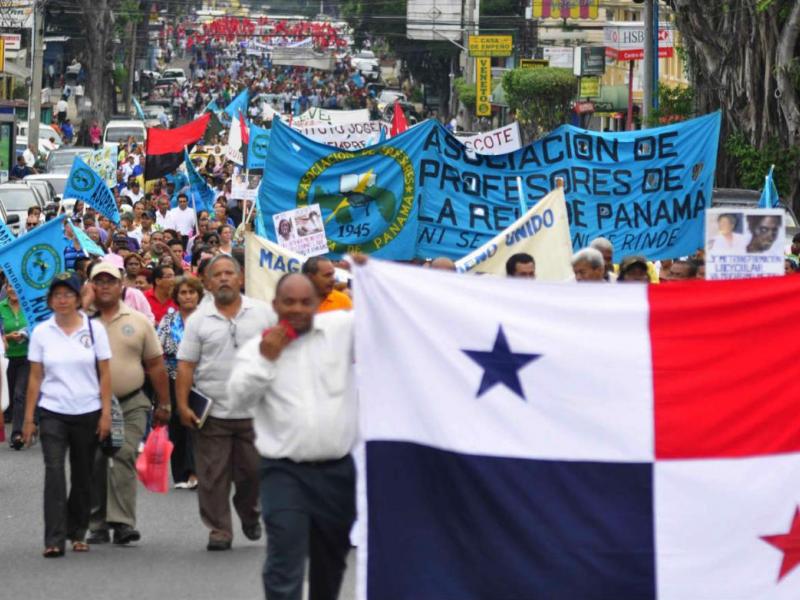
(164, 148)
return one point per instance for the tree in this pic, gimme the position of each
(427, 62)
(743, 60)
(98, 19)
(540, 97)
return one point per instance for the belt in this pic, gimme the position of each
(127, 397)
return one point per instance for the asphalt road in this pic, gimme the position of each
(170, 561)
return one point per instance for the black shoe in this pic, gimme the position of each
(252, 532)
(98, 536)
(218, 545)
(125, 534)
(17, 443)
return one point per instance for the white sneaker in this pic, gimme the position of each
(181, 485)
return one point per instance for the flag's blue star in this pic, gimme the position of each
(501, 365)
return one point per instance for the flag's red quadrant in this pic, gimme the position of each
(726, 367)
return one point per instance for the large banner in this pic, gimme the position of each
(265, 263)
(542, 232)
(368, 198)
(347, 136)
(646, 191)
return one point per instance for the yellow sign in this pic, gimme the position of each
(2, 54)
(491, 45)
(534, 63)
(483, 81)
(565, 9)
(590, 87)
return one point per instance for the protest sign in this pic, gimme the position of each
(31, 262)
(542, 232)
(497, 141)
(104, 162)
(301, 230)
(244, 186)
(84, 184)
(744, 243)
(424, 194)
(265, 263)
(323, 116)
(348, 136)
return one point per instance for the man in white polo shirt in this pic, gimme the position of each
(182, 218)
(224, 449)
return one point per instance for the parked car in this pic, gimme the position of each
(388, 97)
(56, 181)
(43, 189)
(738, 198)
(152, 115)
(46, 132)
(412, 116)
(15, 199)
(179, 75)
(367, 64)
(119, 130)
(60, 161)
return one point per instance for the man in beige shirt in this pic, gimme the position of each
(135, 350)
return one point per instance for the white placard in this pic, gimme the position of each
(744, 242)
(245, 187)
(347, 136)
(301, 230)
(497, 141)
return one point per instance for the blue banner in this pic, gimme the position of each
(238, 104)
(201, 196)
(31, 262)
(88, 245)
(257, 147)
(84, 184)
(367, 197)
(646, 191)
(6, 237)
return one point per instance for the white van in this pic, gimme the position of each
(119, 130)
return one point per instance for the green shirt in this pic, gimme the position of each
(14, 322)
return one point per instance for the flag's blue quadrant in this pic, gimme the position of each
(495, 528)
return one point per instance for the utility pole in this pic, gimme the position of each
(472, 9)
(649, 61)
(37, 68)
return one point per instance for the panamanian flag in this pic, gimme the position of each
(543, 441)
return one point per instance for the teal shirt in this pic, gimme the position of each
(11, 323)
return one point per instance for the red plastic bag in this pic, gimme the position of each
(152, 466)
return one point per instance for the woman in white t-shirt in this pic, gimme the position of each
(70, 381)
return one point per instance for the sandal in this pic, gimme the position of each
(53, 552)
(78, 546)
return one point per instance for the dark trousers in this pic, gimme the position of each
(17, 373)
(308, 510)
(67, 518)
(224, 453)
(182, 458)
